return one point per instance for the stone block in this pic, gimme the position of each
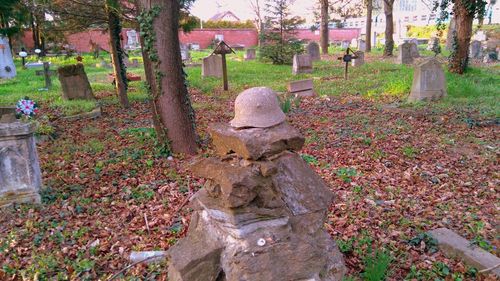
(359, 60)
(74, 82)
(7, 66)
(455, 246)
(429, 82)
(211, 66)
(250, 54)
(361, 45)
(475, 50)
(313, 50)
(302, 64)
(414, 50)
(20, 176)
(301, 88)
(255, 143)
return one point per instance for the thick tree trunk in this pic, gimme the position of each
(389, 28)
(172, 111)
(460, 55)
(119, 68)
(324, 27)
(369, 10)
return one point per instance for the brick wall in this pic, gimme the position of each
(342, 34)
(245, 37)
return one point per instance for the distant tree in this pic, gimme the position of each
(464, 12)
(389, 28)
(369, 11)
(324, 29)
(173, 114)
(343, 9)
(256, 7)
(279, 43)
(13, 17)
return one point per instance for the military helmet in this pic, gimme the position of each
(257, 107)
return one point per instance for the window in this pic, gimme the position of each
(407, 5)
(407, 19)
(424, 17)
(432, 17)
(415, 18)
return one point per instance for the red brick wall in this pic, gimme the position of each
(245, 37)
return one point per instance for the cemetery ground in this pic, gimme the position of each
(397, 170)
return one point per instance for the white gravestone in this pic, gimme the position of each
(429, 82)
(132, 39)
(7, 67)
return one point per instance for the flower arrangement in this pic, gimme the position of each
(26, 107)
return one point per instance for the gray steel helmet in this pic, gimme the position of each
(257, 107)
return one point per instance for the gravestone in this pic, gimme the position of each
(211, 66)
(313, 50)
(345, 44)
(20, 176)
(132, 39)
(46, 73)
(185, 54)
(261, 213)
(359, 60)
(302, 64)
(74, 82)
(429, 82)
(250, 54)
(414, 50)
(404, 54)
(361, 45)
(301, 88)
(7, 67)
(354, 43)
(475, 50)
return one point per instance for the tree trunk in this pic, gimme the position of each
(324, 27)
(369, 10)
(172, 111)
(389, 28)
(460, 52)
(119, 68)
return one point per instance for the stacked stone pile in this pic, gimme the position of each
(260, 214)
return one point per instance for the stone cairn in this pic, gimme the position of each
(260, 214)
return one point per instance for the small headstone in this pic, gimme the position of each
(414, 50)
(185, 54)
(301, 88)
(429, 82)
(74, 82)
(211, 66)
(313, 50)
(475, 50)
(132, 39)
(404, 54)
(479, 36)
(20, 176)
(7, 67)
(250, 54)
(302, 64)
(359, 60)
(455, 246)
(344, 44)
(361, 45)
(354, 43)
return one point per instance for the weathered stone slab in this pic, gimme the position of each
(359, 60)
(95, 113)
(211, 66)
(414, 50)
(7, 114)
(250, 54)
(302, 64)
(455, 246)
(313, 50)
(20, 176)
(429, 82)
(255, 143)
(301, 88)
(74, 82)
(361, 45)
(475, 50)
(301, 188)
(7, 66)
(404, 54)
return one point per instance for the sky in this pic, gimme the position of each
(205, 9)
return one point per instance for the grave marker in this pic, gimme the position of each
(46, 73)
(313, 50)
(250, 54)
(404, 53)
(347, 58)
(475, 50)
(302, 64)
(359, 59)
(7, 67)
(74, 82)
(223, 49)
(429, 82)
(211, 66)
(301, 88)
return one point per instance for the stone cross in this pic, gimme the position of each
(404, 53)
(261, 213)
(46, 73)
(429, 82)
(302, 64)
(347, 58)
(313, 50)
(20, 176)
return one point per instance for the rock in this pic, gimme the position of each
(313, 50)
(250, 54)
(429, 82)
(404, 54)
(74, 82)
(20, 176)
(211, 66)
(301, 188)
(455, 246)
(301, 88)
(302, 64)
(255, 143)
